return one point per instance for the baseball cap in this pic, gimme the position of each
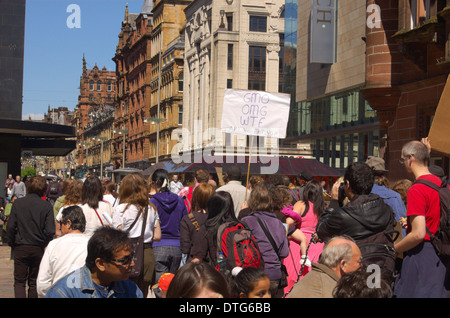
(376, 163)
(164, 280)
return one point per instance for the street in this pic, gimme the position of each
(6, 273)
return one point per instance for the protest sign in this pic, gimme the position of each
(255, 113)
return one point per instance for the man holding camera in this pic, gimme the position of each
(365, 218)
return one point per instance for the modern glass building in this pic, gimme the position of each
(334, 119)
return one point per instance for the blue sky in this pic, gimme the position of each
(54, 52)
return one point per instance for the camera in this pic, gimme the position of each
(341, 194)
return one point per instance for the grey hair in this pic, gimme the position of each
(332, 256)
(418, 149)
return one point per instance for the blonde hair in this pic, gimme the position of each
(401, 187)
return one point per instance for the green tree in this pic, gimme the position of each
(28, 171)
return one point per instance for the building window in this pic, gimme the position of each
(258, 23)
(180, 82)
(91, 85)
(109, 87)
(257, 59)
(180, 114)
(257, 68)
(420, 12)
(257, 84)
(230, 57)
(229, 83)
(230, 22)
(99, 86)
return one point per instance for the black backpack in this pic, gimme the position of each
(53, 189)
(441, 239)
(379, 249)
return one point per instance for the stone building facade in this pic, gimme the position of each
(97, 92)
(149, 64)
(167, 51)
(228, 44)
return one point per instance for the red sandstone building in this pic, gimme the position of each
(97, 91)
(407, 65)
(370, 76)
(149, 69)
(133, 70)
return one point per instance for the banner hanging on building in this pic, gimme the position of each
(255, 113)
(323, 31)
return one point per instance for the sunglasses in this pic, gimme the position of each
(124, 261)
(402, 160)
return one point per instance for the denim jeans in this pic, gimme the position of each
(167, 258)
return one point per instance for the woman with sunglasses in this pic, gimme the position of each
(133, 198)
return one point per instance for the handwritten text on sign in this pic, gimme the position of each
(255, 113)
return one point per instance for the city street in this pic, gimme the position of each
(6, 272)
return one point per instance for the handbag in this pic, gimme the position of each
(137, 246)
(3, 217)
(283, 282)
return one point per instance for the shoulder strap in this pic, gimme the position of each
(295, 193)
(194, 221)
(186, 198)
(99, 217)
(137, 218)
(269, 236)
(144, 222)
(428, 183)
(435, 187)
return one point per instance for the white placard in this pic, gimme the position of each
(255, 113)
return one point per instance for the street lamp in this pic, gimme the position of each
(101, 154)
(157, 121)
(86, 145)
(122, 131)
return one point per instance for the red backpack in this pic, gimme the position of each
(236, 241)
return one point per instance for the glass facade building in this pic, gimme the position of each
(341, 127)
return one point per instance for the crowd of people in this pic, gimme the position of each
(222, 239)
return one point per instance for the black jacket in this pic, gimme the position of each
(360, 218)
(31, 222)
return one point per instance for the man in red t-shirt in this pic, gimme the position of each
(423, 274)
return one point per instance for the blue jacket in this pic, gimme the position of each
(79, 284)
(393, 199)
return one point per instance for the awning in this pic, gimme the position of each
(258, 166)
(42, 139)
(170, 166)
